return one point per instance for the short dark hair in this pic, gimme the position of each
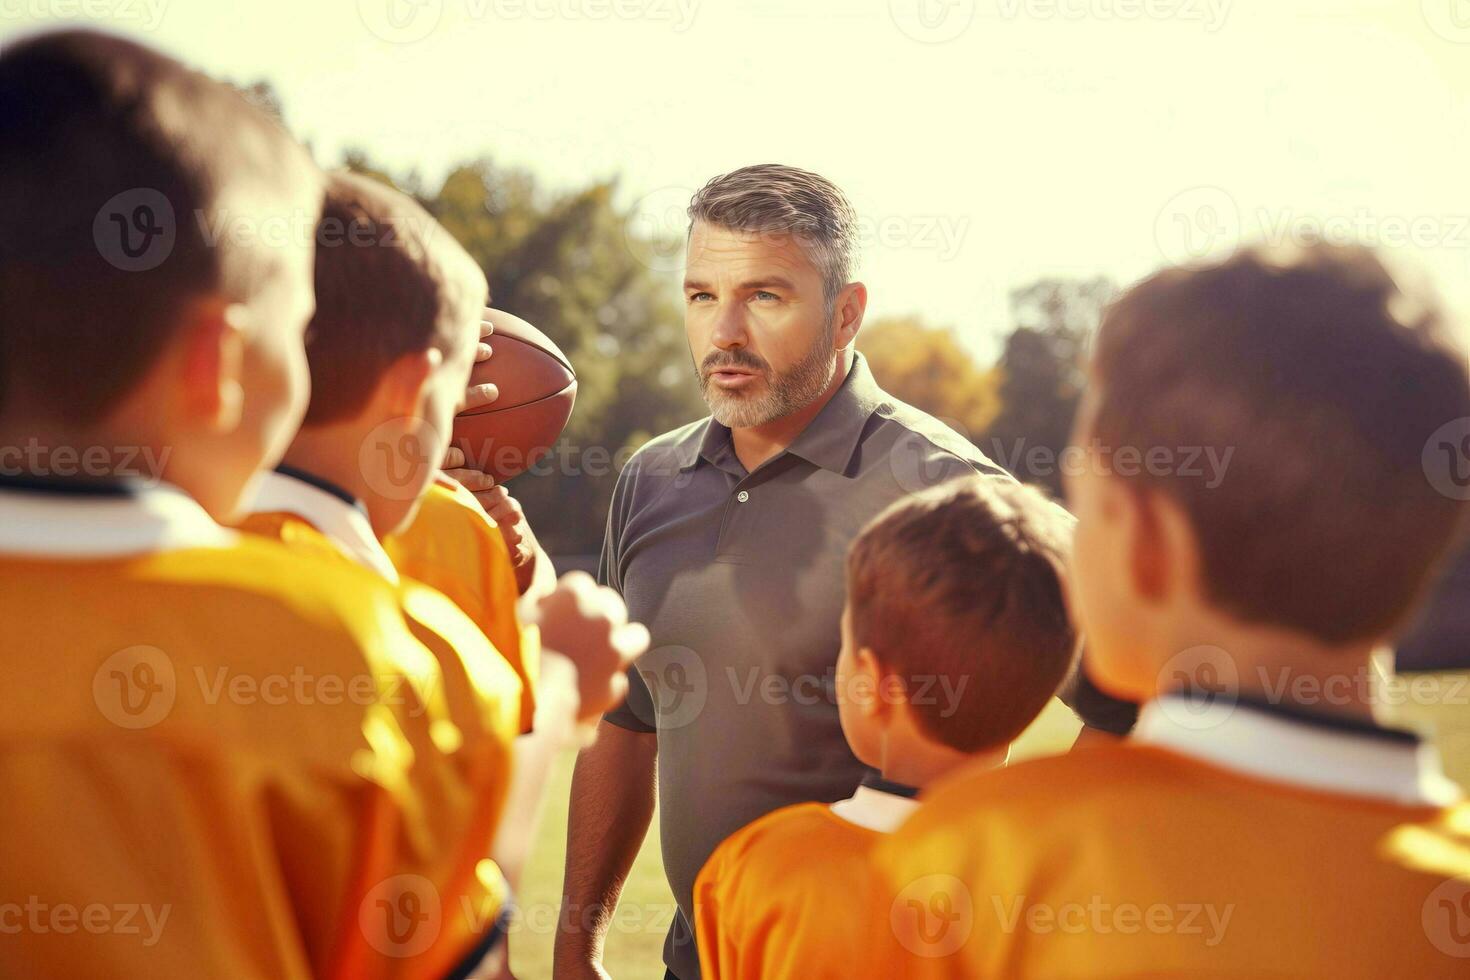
(775, 198)
(87, 120)
(963, 582)
(389, 281)
(1325, 378)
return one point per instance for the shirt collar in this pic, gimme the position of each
(334, 513)
(54, 522)
(1288, 748)
(875, 809)
(828, 441)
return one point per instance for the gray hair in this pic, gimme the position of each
(772, 198)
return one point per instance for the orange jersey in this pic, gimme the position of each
(1179, 859)
(219, 756)
(482, 697)
(783, 897)
(454, 546)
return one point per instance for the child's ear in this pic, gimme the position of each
(1163, 553)
(211, 383)
(887, 690)
(404, 385)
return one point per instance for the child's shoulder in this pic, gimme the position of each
(1030, 790)
(260, 584)
(771, 852)
(449, 500)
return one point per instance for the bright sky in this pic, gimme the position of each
(985, 142)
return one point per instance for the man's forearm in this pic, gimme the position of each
(611, 807)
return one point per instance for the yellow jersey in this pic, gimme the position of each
(453, 546)
(482, 694)
(1247, 844)
(220, 757)
(783, 898)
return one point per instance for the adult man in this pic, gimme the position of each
(727, 538)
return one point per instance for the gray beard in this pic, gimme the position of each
(784, 393)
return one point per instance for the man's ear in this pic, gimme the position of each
(403, 388)
(852, 303)
(887, 689)
(211, 383)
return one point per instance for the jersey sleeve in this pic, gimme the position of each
(719, 945)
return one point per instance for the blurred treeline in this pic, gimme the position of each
(574, 264)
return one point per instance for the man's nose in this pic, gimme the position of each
(729, 330)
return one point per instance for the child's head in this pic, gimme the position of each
(393, 341)
(1255, 435)
(154, 284)
(956, 632)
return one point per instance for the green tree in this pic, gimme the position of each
(1042, 374)
(928, 368)
(567, 264)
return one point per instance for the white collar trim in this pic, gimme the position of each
(151, 519)
(343, 524)
(1281, 749)
(875, 809)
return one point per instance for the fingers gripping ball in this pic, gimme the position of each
(538, 388)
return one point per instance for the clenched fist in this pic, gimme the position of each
(588, 624)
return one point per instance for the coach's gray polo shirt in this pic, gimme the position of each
(739, 577)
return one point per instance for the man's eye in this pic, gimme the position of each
(763, 295)
(700, 297)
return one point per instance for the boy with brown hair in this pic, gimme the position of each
(204, 733)
(392, 342)
(954, 638)
(1258, 820)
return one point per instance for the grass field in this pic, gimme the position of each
(635, 945)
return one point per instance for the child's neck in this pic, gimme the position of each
(102, 453)
(1277, 666)
(919, 767)
(329, 453)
